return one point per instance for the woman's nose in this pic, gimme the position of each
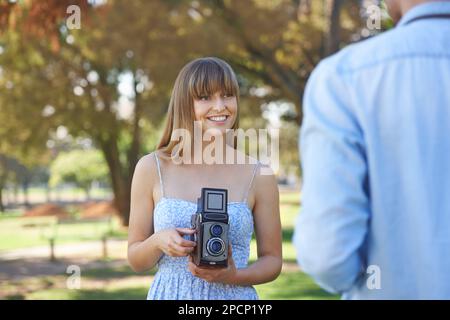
(219, 104)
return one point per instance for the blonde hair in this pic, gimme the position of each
(200, 77)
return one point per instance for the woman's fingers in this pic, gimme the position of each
(182, 241)
(180, 250)
(196, 270)
(185, 231)
(192, 268)
(185, 243)
(178, 246)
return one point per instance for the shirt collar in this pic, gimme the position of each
(434, 7)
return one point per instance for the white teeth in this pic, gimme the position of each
(219, 118)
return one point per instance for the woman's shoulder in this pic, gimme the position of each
(264, 175)
(262, 172)
(146, 167)
(265, 185)
(244, 158)
(261, 167)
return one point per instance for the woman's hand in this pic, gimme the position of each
(172, 243)
(223, 275)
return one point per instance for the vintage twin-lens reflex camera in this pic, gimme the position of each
(211, 224)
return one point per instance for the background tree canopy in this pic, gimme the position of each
(109, 82)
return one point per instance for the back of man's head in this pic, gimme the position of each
(398, 8)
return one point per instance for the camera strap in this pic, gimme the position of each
(429, 16)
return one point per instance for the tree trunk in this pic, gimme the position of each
(2, 206)
(333, 36)
(120, 182)
(16, 194)
(133, 153)
(8, 198)
(25, 193)
(3, 178)
(121, 175)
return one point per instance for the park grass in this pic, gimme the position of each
(293, 285)
(288, 286)
(39, 194)
(23, 232)
(17, 232)
(122, 283)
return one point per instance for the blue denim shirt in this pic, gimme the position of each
(375, 150)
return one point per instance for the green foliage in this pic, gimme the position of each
(75, 82)
(81, 167)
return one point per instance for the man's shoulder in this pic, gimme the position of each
(366, 53)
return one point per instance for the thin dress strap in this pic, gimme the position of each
(251, 181)
(159, 173)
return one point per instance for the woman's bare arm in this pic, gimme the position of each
(266, 214)
(143, 251)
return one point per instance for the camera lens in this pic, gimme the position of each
(215, 246)
(216, 230)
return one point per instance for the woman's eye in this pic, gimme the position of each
(227, 95)
(203, 98)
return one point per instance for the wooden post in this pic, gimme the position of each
(52, 249)
(105, 248)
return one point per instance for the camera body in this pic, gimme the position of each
(211, 225)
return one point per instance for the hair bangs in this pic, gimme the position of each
(210, 76)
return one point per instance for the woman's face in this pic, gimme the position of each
(216, 112)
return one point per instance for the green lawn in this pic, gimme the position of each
(288, 286)
(293, 285)
(22, 232)
(39, 193)
(122, 282)
(112, 283)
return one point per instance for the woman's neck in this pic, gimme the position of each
(216, 151)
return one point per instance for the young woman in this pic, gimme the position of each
(164, 194)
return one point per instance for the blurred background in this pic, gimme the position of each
(84, 90)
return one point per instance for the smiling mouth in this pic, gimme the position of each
(218, 118)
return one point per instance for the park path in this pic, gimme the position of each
(81, 249)
(35, 261)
